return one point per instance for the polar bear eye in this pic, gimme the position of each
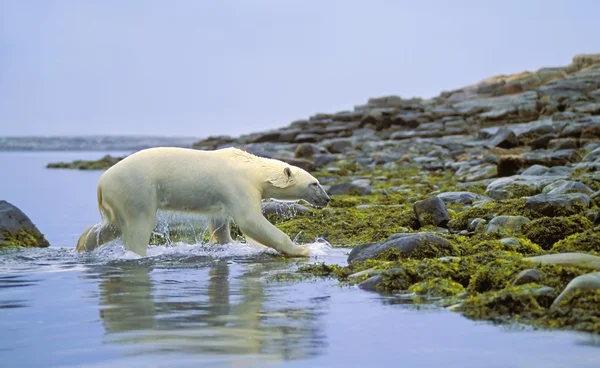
(313, 184)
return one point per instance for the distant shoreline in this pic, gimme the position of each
(90, 142)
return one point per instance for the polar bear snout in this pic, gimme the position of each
(317, 195)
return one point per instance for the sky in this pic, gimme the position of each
(201, 68)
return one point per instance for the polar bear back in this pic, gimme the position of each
(183, 179)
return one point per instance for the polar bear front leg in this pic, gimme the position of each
(219, 231)
(261, 230)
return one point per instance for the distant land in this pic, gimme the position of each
(91, 142)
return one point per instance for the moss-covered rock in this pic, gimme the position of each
(102, 164)
(587, 241)
(546, 231)
(580, 310)
(511, 303)
(348, 226)
(17, 229)
(437, 287)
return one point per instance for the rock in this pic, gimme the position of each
(323, 160)
(339, 145)
(566, 186)
(415, 245)
(510, 241)
(477, 172)
(528, 276)
(504, 138)
(306, 150)
(17, 230)
(306, 138)
(571, 259)
(286, 209)
(591, 131)
(359, 274)
(432, 211)
(558, 204)
(102, 164)
(476, 224)
(511, 164)
(349, 189)
(519, 107)
(371, 283)
(460, 197)
(347, 116)
(590, 281)
(592, 156)
(544, 141)
(563, 143)
(540, 170)
(401, 280)
(506, 223)
(519, 185)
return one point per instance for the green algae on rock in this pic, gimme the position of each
(587, 241)
(17, 229)
(546, 231)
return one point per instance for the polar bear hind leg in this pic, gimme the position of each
(137, 232)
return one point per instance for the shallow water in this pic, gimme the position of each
(195, 305)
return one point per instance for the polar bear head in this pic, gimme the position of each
(288, 182)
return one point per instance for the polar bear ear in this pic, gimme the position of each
(282, 181)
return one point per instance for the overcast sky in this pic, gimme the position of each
(202, 68)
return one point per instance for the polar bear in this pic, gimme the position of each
(223, 184)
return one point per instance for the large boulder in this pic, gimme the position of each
(17, 230)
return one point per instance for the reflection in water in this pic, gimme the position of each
(218, 307)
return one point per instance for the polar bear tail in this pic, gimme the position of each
(99, 192)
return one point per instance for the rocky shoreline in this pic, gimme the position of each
(484, 200)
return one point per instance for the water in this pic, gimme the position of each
(192, 305)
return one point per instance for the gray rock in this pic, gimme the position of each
(558, 204)
(562, 143)
(307, 138)
(359, 274)
(14, 222)
(323, 160)
(285, 209)
(340, 145)
(460, 197)
(431, 211)
(518, 183)
(409, 244)
(504, 138)
(476, 224)
(592, 156)
(535, 170)
(501, 108)
(510, 241)
(350, 189)
(540, 170)
(566, 186)
(506, 223)
(528, 276)
(306, 150)
(543, 142)
(477, 172)
(590, 281)
(372, 282)
(572, 259)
